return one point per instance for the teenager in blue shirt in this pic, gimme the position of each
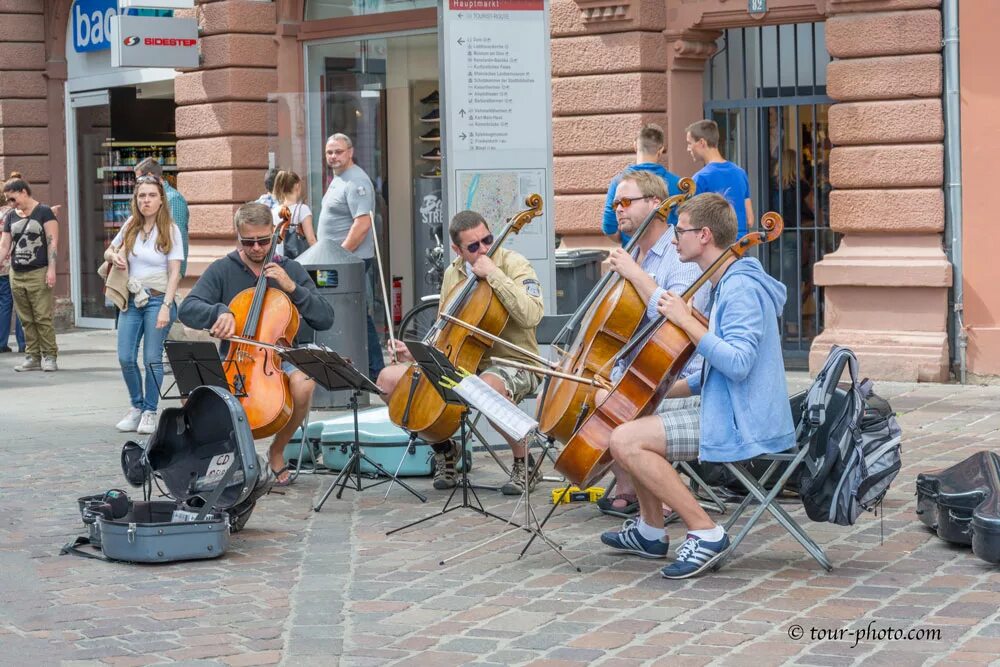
(718, 174)
(648, 150)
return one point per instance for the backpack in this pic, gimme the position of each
(853, 443)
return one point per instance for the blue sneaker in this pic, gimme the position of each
(695, 556)
(631, 540)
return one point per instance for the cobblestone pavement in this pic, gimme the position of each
(304, 588)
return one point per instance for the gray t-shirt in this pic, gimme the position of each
(350, 195)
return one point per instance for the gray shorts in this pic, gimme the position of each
(519, 382)
(681, 419)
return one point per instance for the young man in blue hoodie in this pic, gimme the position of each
(744, 410)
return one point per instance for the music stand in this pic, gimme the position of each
(332, 372)
(437, 367)
(195, 364)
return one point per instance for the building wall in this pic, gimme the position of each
(980, 95)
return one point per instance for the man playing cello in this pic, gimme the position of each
(207, 307)
(515, 283)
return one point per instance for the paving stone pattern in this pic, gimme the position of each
(302, 588)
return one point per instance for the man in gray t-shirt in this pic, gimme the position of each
(345, 217)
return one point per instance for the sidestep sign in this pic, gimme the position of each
(139, 41)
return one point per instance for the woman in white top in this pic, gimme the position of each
(288, 192)
(149, 245)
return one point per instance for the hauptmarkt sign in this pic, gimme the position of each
(497, 120)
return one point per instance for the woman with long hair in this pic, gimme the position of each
(149, 246)
(31, 236)
(288, 192)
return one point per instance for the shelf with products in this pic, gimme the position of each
(125, 168)
(130, 153)
(120, 196)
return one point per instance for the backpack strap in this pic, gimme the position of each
(210, 502)
(826, 382)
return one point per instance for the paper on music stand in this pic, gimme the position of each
(503, 414)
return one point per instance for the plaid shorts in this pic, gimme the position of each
(518, 382)
(681, 419)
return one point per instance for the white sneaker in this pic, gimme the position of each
(131, 420)
(49, 364)
(147, 424)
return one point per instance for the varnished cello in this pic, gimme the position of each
(415, 405)
(606, 320)
(664, 351)
(264, 314)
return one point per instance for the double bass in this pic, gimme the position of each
(611, 314)
(267, 315)
(665, 351)
(415, 405)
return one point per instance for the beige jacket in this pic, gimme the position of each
(516, 285)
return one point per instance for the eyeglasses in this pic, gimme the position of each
(486, 241)
(340, 151)
(625, 202)
(262, 241)
(678, 231)
(147, 178)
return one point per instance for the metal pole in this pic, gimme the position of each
(953, 174)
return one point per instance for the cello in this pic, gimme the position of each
(665, 351)
(264, 314)
(415, 405)
(612, 316)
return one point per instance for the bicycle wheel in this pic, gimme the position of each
(418, 321)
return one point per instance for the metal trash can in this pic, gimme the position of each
(340, 279)
(577, 271)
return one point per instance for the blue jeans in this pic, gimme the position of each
(375, 361)
(6, 310)
(137, 324)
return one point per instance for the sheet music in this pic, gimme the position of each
(503, 414)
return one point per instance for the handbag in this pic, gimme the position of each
(295, 240)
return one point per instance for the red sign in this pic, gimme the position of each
(498, 5)
(168, 41)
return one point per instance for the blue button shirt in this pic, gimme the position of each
(730, 181)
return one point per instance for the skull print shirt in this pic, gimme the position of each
(30, 249)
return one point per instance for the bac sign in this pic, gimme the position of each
(92, 24)
(140, 41)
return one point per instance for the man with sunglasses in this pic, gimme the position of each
(515, 283)
(206, 307)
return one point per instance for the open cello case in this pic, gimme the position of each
(962, 503)
(202, 459)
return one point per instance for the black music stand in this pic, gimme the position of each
(195, 364)
(332, 372)
(437, 367)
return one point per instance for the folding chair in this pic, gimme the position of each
(807, 428)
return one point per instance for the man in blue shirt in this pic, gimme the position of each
(718, 174)
(648, 149)
(175, 202)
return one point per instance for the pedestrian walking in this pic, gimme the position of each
(7, 299)
(287, 191)
(31, 237)
(719, 174)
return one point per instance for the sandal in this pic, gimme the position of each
(279, 473)
(623, 506)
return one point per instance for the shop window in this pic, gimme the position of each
(335, 9)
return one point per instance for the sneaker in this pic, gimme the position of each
(130, 421)
(432, 135)
(695, 556)
(515, 485)
(433, 173)
(49, 364)
(444, 467)
(433, 154)
(432, 116)
(430, 99)
(147, 424)
(630, 540)
(29, 364)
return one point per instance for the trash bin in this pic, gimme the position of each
(577, 271)
(340, 279)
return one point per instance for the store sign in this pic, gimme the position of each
(497, 120)
(91, 21)
(139, 41)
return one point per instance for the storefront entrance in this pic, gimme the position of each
(766, 88)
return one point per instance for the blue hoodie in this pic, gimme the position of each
(744, 398)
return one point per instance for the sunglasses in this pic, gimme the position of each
(678, 231)
(148, 178)
(262, 241)
(486, 241)
(625, 202)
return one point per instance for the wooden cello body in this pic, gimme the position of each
(664, 353)
(415, 405)
(267, 315)
(609, 325)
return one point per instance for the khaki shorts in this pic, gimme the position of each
(519, 382)
(681, 419)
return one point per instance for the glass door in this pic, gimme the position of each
(93, 211)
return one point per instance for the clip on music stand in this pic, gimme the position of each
(195, 364)
(436, 367)
(332, 372)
